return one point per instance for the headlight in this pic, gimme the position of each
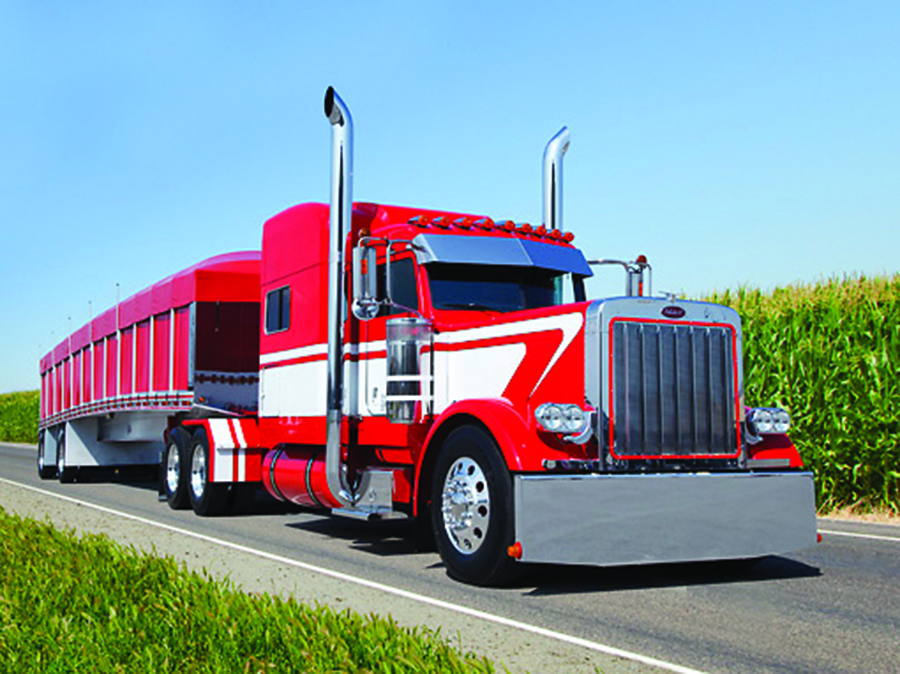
(768, 421)
(557, 418)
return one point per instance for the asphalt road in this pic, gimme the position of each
(835, 608)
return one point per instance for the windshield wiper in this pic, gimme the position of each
(474, 306)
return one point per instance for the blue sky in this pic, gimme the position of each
(732, 143)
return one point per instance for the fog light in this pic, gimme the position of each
(768, 421)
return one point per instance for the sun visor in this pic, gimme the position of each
(492, 250)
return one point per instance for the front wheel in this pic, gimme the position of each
(208, 498)
(472, 509)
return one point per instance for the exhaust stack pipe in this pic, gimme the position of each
(341, 212)
(552, 178)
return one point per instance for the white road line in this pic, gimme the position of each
(489, 617)
(893, 539)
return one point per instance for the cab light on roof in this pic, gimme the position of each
(525, 228)
(555, 234)
(464, 223)
(442, 221)
(508, 225)
(568, 237)
(541, 231)
(484, 223)
(420, 221)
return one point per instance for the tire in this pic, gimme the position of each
(45, 471)
(472, 509)
(176, 469)
(207, 498)
(64, 473)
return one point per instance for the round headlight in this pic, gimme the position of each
(762, 421)
(550, 417)
(781, 421)
(573, 419)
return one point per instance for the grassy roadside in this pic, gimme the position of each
(19, 414)
(70, 603)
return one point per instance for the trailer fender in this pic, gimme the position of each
(235, 452)
(496, 415)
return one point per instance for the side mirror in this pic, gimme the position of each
(365, 302)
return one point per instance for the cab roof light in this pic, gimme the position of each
(525, 228)
(420, 221)
(555, 234)
(464, 223)
(442, 221)
(508, 225)
(568, 237)
(484, 223)
(541, 231)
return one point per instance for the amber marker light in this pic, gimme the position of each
(420, 221)
(515, 550)
(568, 237)
(484, 223)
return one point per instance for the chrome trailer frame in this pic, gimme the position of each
(613, 520)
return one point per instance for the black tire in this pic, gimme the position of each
(472, 509)
(176, 469)
(207, 498)
(64, 472)
(45, 471)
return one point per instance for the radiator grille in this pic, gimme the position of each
(673, 391)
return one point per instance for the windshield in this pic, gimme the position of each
(493, 287)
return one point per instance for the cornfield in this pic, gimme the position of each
(829, 353)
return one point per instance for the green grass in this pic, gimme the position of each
(70, 604)
(829, 353)
(19, 414)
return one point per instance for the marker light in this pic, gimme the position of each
(442, 221)
(568, 237)
(508, 225)
(484, 223)
(464, 223)
(541, 231)
(420, 221)
(525, 228)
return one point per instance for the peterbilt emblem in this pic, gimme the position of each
(673, 312)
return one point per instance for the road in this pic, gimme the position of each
(835, 608)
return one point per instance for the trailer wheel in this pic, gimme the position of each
(207, 498)
(176, 479)
(64, 473)
(472, 509)
(45, 472)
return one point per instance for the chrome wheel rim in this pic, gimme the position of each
(466, 505)
(198, 472)
(173, 468)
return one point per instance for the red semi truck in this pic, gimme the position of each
(383, 361)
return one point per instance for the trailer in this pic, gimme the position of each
(381, 361)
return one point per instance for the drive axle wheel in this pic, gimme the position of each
(177, 474)
(207, 497)
(472, 509)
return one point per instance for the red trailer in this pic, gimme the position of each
(384, 361)
(187, 346)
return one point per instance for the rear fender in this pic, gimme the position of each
(235, 452)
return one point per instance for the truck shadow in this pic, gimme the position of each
(385, 538)
(547, 579)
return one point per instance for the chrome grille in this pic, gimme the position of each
(673, 390)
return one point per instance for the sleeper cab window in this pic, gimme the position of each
(278, 310)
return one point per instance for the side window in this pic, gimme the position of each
(403, 286)
(278, 310)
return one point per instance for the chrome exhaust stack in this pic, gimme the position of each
(552, 179)
(341, 212)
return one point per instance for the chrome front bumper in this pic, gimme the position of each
(610, 520)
